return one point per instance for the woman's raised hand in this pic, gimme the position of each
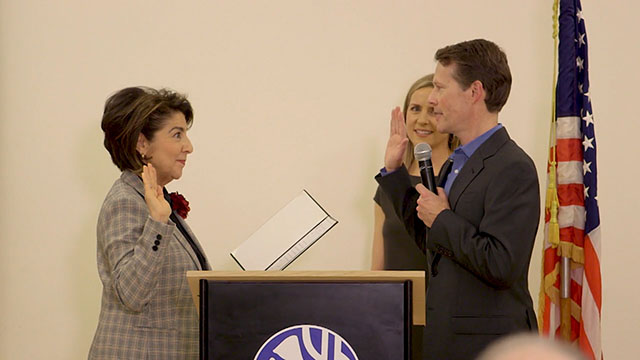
(159, 208)
(397, 144)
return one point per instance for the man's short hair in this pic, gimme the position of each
(480, 60)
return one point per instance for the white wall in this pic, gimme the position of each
(287, 95)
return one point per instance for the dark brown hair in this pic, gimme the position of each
(138, 110)
(480, 60)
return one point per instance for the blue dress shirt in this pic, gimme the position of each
(463, 153)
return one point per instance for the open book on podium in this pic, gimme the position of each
(285, 236)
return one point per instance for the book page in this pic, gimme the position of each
(284, 236)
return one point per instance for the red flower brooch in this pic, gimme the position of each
(179, 204)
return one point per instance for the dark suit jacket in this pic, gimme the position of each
(479, 251)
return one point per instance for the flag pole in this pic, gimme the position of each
(552, 203)
(565, 261)
(565, 298)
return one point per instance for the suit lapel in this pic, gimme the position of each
(444, 172)
(475, 165)
(469, 171)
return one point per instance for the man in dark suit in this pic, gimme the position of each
(478, 232)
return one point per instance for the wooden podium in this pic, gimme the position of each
(245, 314)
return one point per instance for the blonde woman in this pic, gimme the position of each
(393, 248)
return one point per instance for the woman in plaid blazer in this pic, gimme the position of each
(144, 246)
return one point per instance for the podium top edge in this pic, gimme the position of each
(307, 275)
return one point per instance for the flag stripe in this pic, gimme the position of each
(568, 127)
(571, 194)
(572, 235)
(571, 216)
(590, 329)
(569, 149)
(584, 343)
(591, 273)
(570, 172)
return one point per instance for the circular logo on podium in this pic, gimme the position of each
(306, 342)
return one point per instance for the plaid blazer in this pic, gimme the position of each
(147, 310)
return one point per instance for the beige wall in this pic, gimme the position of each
(288, 95)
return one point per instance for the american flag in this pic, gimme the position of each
(572, 219)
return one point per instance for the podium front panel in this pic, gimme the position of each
(305, 320)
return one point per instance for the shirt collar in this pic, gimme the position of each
(471, 147)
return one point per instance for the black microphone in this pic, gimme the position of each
(422, 153)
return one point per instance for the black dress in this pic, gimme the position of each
(400, 250)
